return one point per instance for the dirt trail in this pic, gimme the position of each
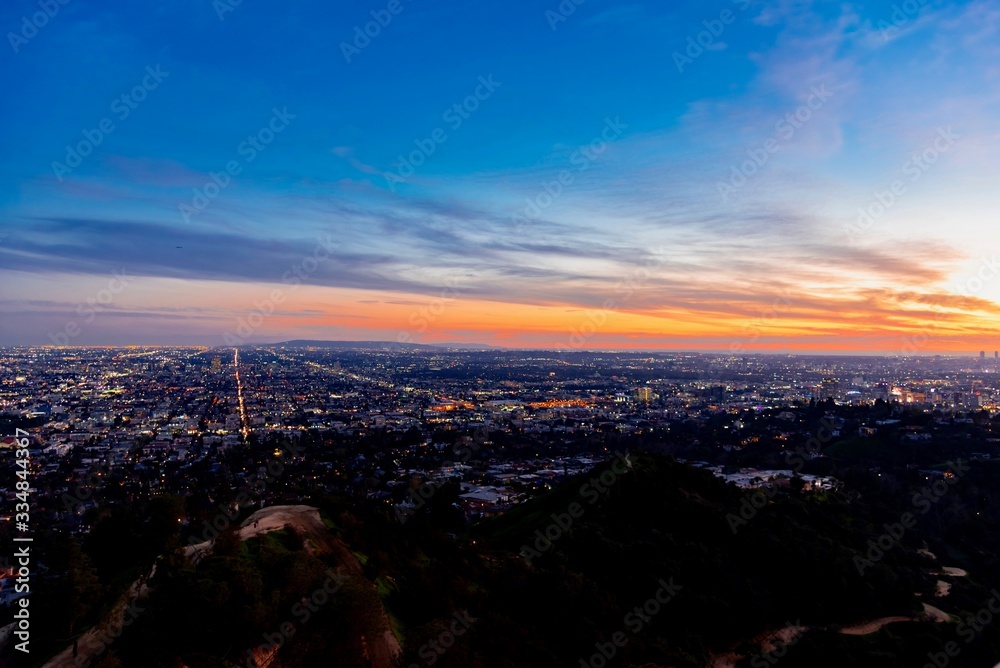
(945, 570)
(874, 625)
(942, 589)
(936, 614)
(767, 642)
(727, 660)
(785, 635)
(384, 650)
(931, 614)
(92, 644)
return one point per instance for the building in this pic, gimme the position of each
(645, 395)
(829, 389)
(8, 587)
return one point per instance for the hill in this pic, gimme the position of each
(641, 562)
(349, 345)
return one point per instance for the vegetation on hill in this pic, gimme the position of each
(651, 561)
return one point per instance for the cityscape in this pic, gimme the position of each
(208, 441)
(524, 334)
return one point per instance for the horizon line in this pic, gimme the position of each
(474, 347)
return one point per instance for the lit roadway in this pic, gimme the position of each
(239, 393)
(341, 372)
(363, 380)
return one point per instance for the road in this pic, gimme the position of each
(239, 395)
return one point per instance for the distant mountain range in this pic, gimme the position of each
(375, 345)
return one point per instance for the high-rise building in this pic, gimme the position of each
(830, 389)
(645, 395)
(216, 365)
(982, 354)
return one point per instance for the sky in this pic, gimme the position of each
(731, 176)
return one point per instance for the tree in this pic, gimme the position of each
(84, 586)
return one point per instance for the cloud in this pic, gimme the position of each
(347, 153)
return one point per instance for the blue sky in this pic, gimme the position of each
(647, 152)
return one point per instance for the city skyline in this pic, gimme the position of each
(246, 481)
(739, 177)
